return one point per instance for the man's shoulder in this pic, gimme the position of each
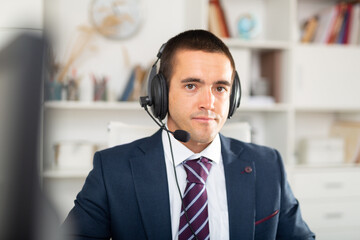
(249, 150)
(123, 147)
(247, 146)
(131, 149)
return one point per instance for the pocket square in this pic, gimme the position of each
(267, 218)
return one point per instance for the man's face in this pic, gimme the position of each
(199, 93)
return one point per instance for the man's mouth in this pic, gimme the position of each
(203, 119)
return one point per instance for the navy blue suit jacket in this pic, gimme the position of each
(126, 194)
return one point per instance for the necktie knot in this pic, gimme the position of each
(197, 170)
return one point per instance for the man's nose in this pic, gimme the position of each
(207, 99)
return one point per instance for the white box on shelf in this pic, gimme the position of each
(237, 130)
(321, 151)
(121, 133)
(74, 155)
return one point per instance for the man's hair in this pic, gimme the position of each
(191, 40)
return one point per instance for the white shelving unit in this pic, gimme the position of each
(64, 174)
(74, 105)
(319, 85)
(134, 106)
(329, 198)
(257, 44)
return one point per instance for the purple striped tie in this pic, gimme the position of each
(195, 201)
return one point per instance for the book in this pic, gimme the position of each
(139, 82)
(217, 20)
(348, 23)
(350, 132)
(214, 22)
(325, 18)
(338, 21)
(223, 23)
(341, 36)
(355, 25)
(331, 31)
(129, 87)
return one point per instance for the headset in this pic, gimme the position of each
(158, 92)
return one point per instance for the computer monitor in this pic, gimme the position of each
(21, 96)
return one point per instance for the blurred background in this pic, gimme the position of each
(297, 61)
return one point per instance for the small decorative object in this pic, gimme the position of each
(54, 90)
(72, 90)
(116, 19)
(100, 88)
(72, 87)
(247, 26)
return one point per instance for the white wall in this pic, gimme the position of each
(17, 16)
(108, 57)
(21, 14)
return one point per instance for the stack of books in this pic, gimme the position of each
(336, 24)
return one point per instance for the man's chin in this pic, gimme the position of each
(203, 139)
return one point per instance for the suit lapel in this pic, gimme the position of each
(150, 180)
(240, 189)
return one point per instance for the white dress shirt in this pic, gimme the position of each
(215, 185)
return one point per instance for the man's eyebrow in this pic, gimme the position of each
(191, 80)
(223, 82)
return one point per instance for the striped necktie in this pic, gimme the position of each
(195, 201)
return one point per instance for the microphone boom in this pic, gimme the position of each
(180, 135)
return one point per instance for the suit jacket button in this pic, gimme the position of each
(248, 169)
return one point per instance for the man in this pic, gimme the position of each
(232, 190)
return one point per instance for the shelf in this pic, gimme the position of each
(307, 167)
(327, 109)
(59, 174)
(256, 44)
(92, 105)
(329, 46)
(73, 105)
(277, 107)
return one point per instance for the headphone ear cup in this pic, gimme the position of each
(164, 97)
(159, 96)
(235, 96)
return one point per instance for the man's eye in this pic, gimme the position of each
(220, 89)
(190, 86)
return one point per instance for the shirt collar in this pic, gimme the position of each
(182, 153)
